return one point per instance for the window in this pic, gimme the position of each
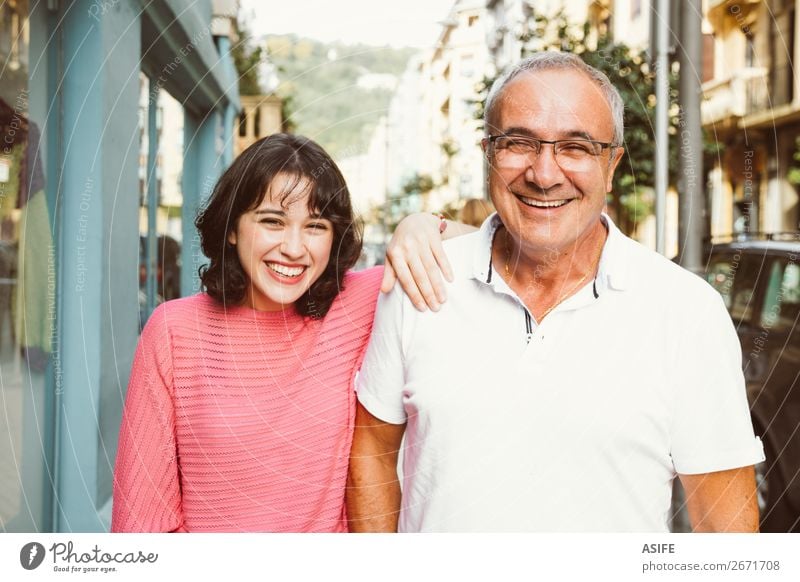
(781, 39)
(782, 299)
(160, 215)
(734, 277)
(708, 57)
(30, 364)
(467, 65)
(242, 124)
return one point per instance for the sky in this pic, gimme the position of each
(412, 23)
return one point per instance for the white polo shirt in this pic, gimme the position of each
(577, 424)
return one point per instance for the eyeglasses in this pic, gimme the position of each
(516, 151)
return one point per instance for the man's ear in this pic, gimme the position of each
(613, 162)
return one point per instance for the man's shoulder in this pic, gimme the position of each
(462, 255)
(466, 243)
(464, 251)
(661, 277)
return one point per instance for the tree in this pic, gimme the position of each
(630, 73)
(410, 198)
(247, 58)
(332, 99)
(418, 184)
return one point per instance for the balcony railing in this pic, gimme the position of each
(742, 93)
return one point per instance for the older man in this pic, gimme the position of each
(572, 373)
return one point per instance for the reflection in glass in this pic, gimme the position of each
(169, 197)
(782, 299)
(28, 346)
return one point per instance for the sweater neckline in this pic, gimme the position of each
(240, 311)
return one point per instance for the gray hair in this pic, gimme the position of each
(552, 60)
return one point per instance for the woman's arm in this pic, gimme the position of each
(415, 257)
(147, 491)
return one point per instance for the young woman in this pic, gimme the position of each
(240, 405)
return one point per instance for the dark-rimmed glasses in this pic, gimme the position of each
(513, 151)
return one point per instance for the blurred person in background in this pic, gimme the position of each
(475, 211)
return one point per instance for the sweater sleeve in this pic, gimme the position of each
(362, 289)
(147, 491)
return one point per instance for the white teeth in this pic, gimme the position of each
(540, 204)
(286, 271)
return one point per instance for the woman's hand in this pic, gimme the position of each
(416, 258)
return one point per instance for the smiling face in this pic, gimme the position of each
(544, 206)
(282, 246)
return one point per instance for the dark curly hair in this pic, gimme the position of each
(242, 188)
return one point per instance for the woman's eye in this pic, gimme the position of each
(270, 221)
(318, 226)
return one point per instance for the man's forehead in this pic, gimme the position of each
(556, 83)
(563, 97)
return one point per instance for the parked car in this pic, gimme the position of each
(759, 280)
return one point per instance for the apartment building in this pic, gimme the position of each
(752, 107)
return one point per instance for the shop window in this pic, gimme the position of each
(29, 355)
(160, 224)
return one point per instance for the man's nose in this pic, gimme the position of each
(543, 170)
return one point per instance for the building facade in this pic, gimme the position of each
(110, 112)
(260, 116)
(752, 107)
(433, 135)
(458, 64)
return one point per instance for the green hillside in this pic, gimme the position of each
(321, 81)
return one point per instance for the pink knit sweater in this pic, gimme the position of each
(239, 420)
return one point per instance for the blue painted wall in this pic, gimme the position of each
(98, 251)
(98, 245)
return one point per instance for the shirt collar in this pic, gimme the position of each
(482, 264)
(613, 268)
(612, 273)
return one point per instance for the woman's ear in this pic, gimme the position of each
(232, 237)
